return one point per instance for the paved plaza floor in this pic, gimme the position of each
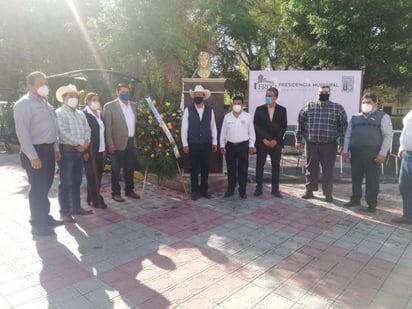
(167, 251)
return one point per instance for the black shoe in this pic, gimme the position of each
(277, 194)
(53, 222)
(351, 204)
(258, 192)
(194, 196)
(42, 231)
(401, 220)
(371, 208)
(308, 194)
(329, 198)
(243, 195)
(206, 195)
(228, 193)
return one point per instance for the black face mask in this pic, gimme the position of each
(198, 100)
(323, 97)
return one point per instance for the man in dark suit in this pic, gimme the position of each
(120, 120)
(270, 123)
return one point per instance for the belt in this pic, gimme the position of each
(327, 143)
(44, 144)
(237, 144)
(409, 152)
(67, 147)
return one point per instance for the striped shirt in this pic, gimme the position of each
(73, 126)
(322, 123)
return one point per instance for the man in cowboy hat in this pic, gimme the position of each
(74, 138)
(199, 138)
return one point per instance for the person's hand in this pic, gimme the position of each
(86, 156)
(273, 143)
(346, 156)
(222, 150)
(340, 148)
(380, 159)
(80, 148)
(214, 148)
(251, 149)
(400, 154)
(266, 142)
(186, 149)
(111, 148)
(298, 146)
(36, 164)
(57, 155)
(86, 144)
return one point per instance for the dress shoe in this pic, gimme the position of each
(329, 198)
(53, 222)
(277, 194)
(258, 192)
(308, 194)
(194, 196)
(228, 193)
(100, 205)
(132, 194)
(206, 195)
(118, 198)
(243, 195)
(67, 218)
(42, 231)
(352, 204)
(81, 211)
(401, 220)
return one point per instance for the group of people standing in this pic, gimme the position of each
(77, 140)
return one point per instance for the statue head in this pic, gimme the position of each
(203, 60)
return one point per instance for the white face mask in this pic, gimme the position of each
(237, 108)
(72, 102)
(43, 91)
(366, 108)
(95, 105)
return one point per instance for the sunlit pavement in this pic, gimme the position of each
(166, 251)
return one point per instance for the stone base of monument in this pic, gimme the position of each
(182, 183)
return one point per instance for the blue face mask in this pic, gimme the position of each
(124, 96)
(268, 100)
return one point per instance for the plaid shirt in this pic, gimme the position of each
(73, 126)
(322, 123)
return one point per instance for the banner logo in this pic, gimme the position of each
(263, 84)
(348, 84)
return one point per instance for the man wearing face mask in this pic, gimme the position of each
(321, 123)
(74, 138)
(237, 140)
(199, 138)
(270, 123)
(120, 120)
(37, 131)
(367, 142)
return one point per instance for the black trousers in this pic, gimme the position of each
(125, 159)
(237, 162)
(325, 155)
(40, 181)
(363, 165)
(199, 158)
(93, 169)
(261, 154)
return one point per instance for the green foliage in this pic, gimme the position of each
(397, 122)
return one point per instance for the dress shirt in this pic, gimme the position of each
(322, 122)
(386, 131)
(98, 117)
(73, 126)
(405, 139)
(237, 129)
(129, 116)
(185, 125)
(36, 124)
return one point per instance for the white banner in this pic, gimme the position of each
(296, 88)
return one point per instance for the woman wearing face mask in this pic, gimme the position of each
(94, 155)
(367, 141)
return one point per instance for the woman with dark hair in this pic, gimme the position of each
(94, 156)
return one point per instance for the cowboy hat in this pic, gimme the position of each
(65, 89)
(199, 88)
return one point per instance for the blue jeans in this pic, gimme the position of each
(71, 174)
(405, 184)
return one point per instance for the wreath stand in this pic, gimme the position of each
(145, 179)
